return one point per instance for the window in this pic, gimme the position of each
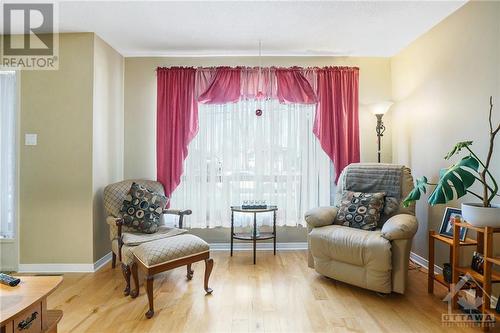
(8, 134)
(239, 156)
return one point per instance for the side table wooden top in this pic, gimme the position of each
(30, 290)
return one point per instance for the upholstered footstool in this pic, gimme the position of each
(165, 254)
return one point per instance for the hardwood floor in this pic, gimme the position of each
(279, 294)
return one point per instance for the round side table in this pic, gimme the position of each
(253, 236)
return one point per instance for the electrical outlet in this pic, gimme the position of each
(30, 139)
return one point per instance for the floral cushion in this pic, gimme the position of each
(360, 210)
(142, 209)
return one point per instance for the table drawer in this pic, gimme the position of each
(30, 320)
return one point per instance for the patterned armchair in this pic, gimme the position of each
(122, 238)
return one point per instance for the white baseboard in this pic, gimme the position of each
(103, 261)
(55, 268)
(8, 269)
(248, 246)
(91, 268)
(425, 263)
(64, 268)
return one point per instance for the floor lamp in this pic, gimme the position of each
(379, 110)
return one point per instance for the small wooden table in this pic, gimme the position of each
(249, 236)
(24, 307)
(431, 277)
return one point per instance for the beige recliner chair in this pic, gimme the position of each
(375, 260)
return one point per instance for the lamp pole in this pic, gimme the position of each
(380, 133)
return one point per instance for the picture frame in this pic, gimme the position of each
(446, 228)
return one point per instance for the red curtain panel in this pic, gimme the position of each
(336, 124)
(176, 123)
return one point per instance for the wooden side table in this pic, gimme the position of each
(431, 277)
(24, 307)
(253, 236)
(489, 276)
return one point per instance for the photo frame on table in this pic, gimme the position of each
(446, 228)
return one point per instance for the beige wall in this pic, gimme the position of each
(441, 84)
(56, 175)
(77, 112)
(107, 153)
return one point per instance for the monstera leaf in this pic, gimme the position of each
(457, 149)
(414, 195)
(454, 180)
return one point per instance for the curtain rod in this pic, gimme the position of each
(257, 67)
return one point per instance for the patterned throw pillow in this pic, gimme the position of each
(142, 208)
(360, 210)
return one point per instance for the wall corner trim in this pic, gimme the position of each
(425, 263)
(102, 262)
(65, 268)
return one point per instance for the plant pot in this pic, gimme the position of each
(479, 216)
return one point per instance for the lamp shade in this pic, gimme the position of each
(381, 108)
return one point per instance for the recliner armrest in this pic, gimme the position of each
(320, 216)
(401, 226)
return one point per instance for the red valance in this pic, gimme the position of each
(225, 87)
(293, 87)
(229, 85)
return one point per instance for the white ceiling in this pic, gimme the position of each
(209, 28)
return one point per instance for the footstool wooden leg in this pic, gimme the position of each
(135, 276)
(190, 272)
(209, 264)
(126, 276)
(149, 288)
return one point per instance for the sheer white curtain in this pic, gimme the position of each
(239, 156)
(8, 126)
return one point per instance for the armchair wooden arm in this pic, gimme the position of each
(178, 212)
(119, 223)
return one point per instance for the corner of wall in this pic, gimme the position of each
(107, 135)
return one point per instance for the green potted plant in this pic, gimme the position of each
(456, 181)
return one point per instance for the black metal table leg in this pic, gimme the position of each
(274, 231)
(254, 236)
(232, 231)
